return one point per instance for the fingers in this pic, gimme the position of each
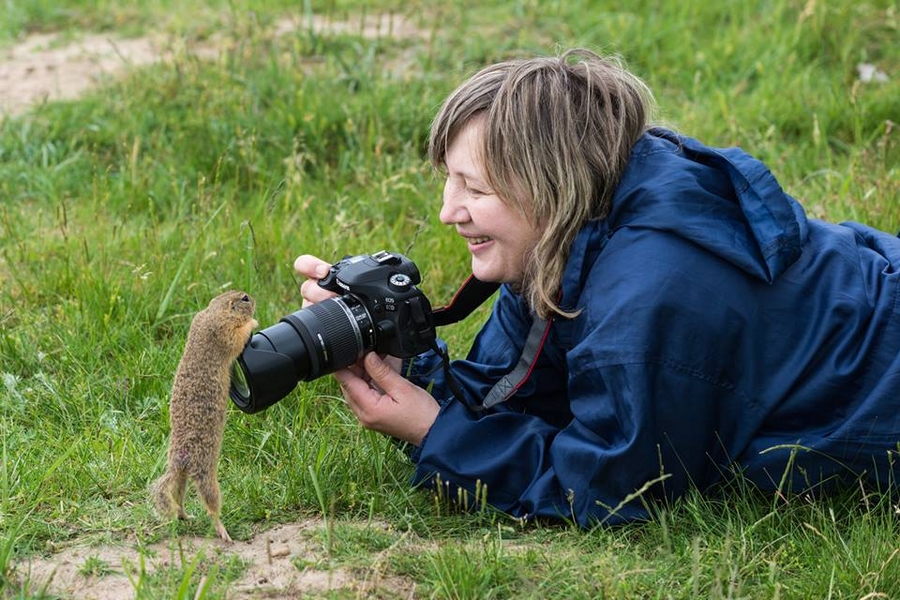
(395, 363)
(313, 269)
(312, 293)
(358, 370)
(311, 266)
(382, 374)
(354, 387)
(360, 396)
(384, 401)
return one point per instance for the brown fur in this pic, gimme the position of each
(198, 404)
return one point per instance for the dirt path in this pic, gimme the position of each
(42, 67)
(277, 567)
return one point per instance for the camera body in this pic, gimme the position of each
(379, 308)
(399, 315)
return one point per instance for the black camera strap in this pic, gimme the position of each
(470, 296)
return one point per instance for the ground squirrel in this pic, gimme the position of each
(198, 403)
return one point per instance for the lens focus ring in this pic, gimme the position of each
(338, 330)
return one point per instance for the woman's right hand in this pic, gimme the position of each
(313, 269)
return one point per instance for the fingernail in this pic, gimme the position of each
(321, 271)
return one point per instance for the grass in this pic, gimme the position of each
(123, 212)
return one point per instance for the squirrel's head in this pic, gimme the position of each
(226, 324)
(235, 305)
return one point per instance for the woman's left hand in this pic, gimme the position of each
(383, 400)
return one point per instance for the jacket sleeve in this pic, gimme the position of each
(617, 452)
(640, 429)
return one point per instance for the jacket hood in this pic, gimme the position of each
(723, 200)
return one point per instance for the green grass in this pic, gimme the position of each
(122, 213)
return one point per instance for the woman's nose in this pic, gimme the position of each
(453, 209)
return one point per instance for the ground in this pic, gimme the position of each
(280, 563)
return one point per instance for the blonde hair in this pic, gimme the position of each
(556, 138)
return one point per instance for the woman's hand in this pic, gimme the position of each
(383, 400)
(378, 395)
(313, 269)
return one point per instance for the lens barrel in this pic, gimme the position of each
(309, 343)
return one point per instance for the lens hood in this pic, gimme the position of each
(273, 376)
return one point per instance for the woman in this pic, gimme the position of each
(669, 315)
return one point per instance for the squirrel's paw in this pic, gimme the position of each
(222, 533)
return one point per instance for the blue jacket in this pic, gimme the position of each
(720, 331)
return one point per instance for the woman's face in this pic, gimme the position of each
(498, 236)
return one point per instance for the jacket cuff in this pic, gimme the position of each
(416, 452)
(426, 371)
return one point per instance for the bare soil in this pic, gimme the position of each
(279, 564)
(43, 67)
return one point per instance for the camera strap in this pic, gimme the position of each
(510, 383)
(470, 296)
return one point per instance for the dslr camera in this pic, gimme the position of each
(379, 308)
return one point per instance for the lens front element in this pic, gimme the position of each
(239, 386)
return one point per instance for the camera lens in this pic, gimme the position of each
(337, 332)
(239, 383)
(304, 345)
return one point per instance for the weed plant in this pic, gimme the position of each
(123, 212)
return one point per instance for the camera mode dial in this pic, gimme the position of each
(400, 282)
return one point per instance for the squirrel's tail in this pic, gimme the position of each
(167, 493)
